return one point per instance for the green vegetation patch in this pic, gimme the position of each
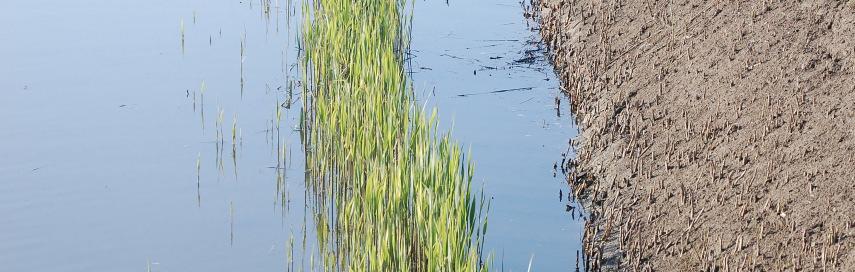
(391, 194)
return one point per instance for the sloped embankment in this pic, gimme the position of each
(716, 134)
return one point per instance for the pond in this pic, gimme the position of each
(164, 135)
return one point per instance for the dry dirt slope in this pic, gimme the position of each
(717, 135)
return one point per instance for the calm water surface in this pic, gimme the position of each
(107, 164)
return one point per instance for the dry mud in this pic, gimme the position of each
(717, 135)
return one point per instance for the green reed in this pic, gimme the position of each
(391, 194)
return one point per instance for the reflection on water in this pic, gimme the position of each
(482, 65)
(113, 164)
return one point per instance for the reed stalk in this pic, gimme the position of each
(391, 192)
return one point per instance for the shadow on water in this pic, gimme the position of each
(122, 141)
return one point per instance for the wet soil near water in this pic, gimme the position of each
(716, 135)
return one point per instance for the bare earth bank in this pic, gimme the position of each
(716, 134)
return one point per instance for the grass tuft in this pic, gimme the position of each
(391, 193)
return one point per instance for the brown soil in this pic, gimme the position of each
(717, 135)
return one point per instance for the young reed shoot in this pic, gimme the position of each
(392, 193)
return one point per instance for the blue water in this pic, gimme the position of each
(100, 134)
